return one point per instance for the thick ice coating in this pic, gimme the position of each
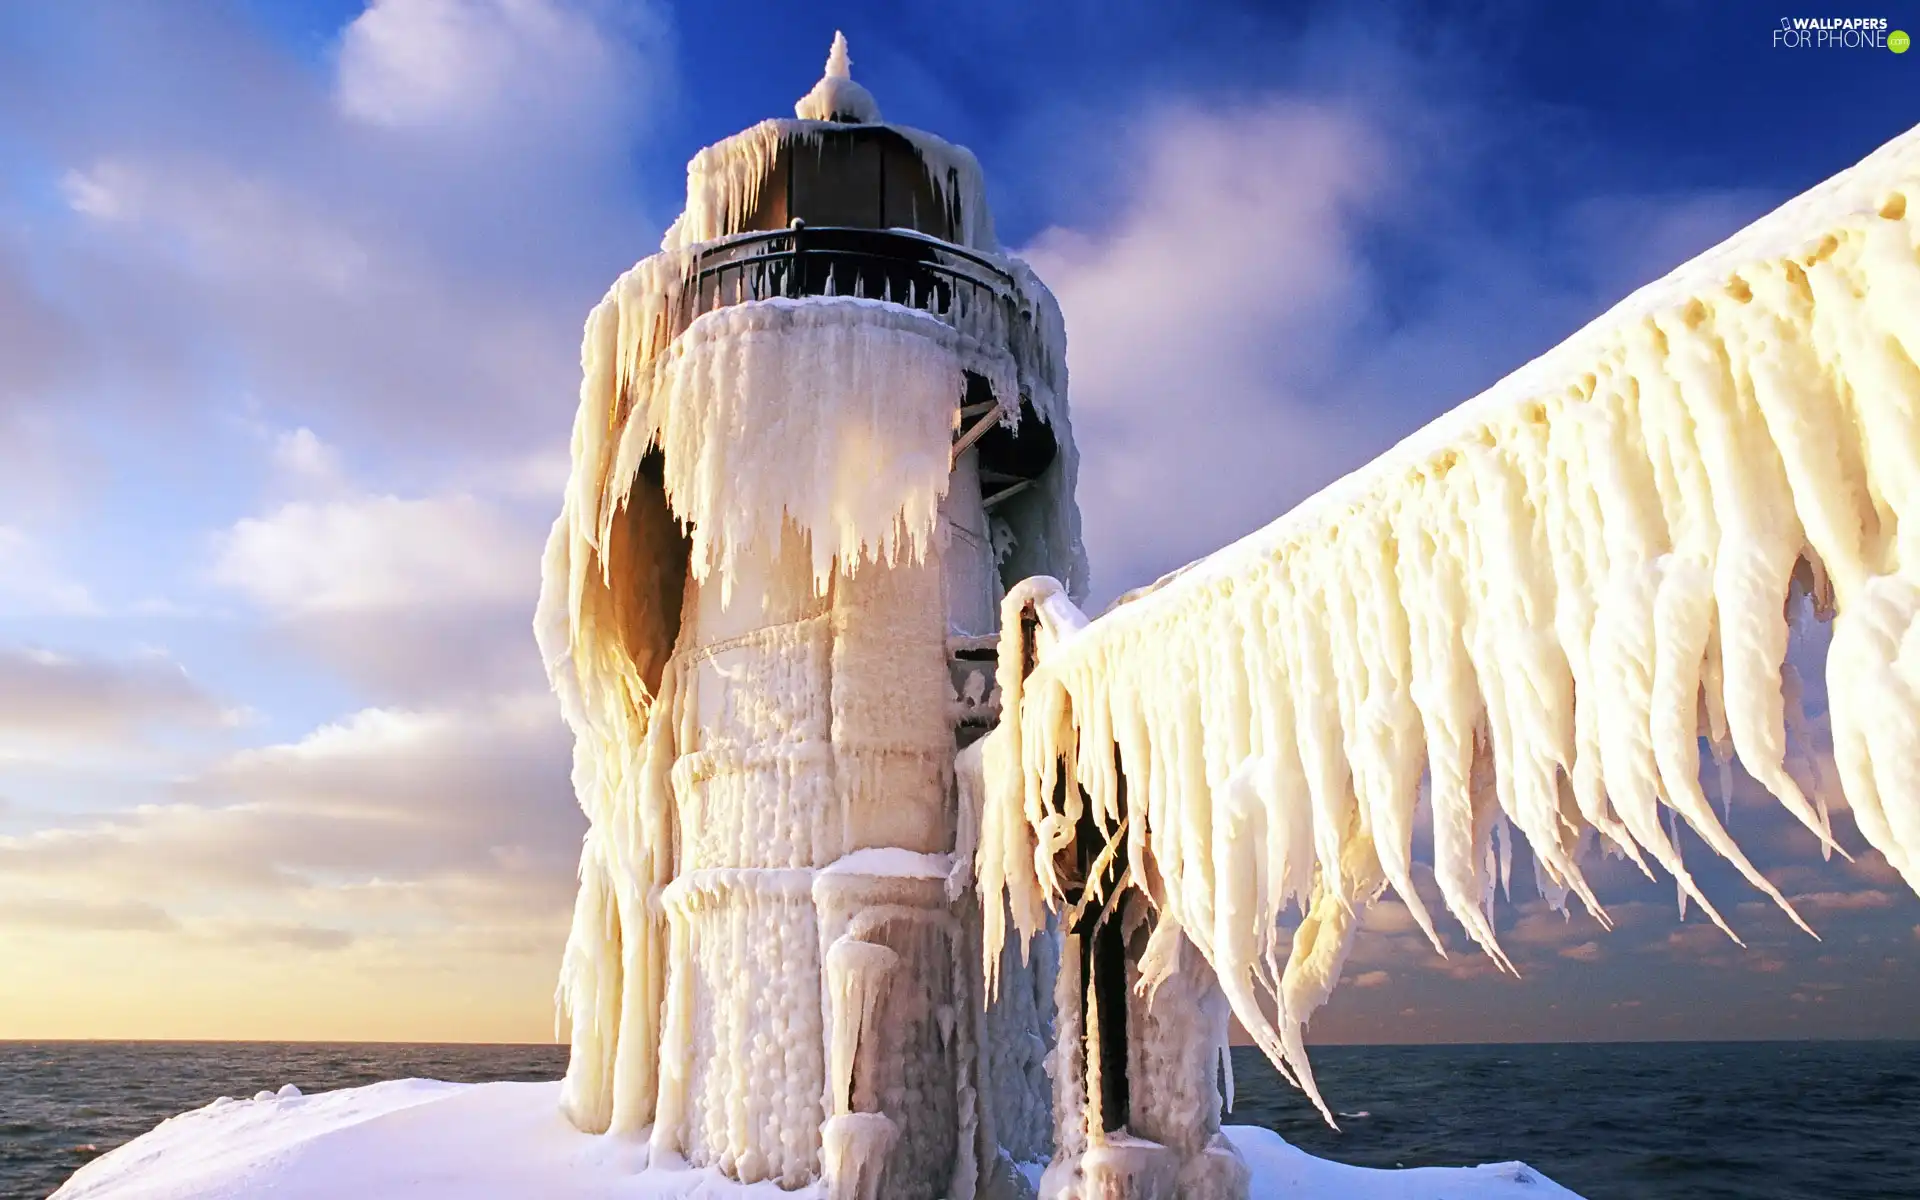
(744, 614)
(833, 414)
(1534, 608)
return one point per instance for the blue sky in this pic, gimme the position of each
(289, 307)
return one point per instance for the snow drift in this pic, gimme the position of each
(417, 1139)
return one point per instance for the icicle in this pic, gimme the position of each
(1673, 834)
(1551, 890)
(1723, 783)
(1760, 542)
(857, 974)
(1503, 843)
(857, 377)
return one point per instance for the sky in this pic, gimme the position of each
(290, 300)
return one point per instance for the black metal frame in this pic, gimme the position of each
(1103, 956)
(1093, 891)
(881, 264)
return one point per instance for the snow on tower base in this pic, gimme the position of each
(417, 1139)
(1527, 612)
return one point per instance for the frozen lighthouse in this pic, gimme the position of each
(904, 879)
(819, 435)
(840, 729)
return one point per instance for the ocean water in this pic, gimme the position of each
(1639, 1121)
(1664, 1121)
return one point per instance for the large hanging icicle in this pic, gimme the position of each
(1539, 603)
(835, 414)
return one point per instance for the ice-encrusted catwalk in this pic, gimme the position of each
(1521, 620)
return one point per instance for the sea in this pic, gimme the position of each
(1633, 1121)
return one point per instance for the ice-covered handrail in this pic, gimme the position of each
(970, 292)
(1018, 831)
(1528, 611)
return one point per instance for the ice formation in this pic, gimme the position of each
(774, 525)
(837, 97)
(1522, 619)
(851, 407)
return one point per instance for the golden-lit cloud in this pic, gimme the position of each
(424, 848)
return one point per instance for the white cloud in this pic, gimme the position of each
(1238, 338)
(80, 914)
(1539, 925)
(358, 816)
(1389, 916)
(349, 308)
(412, 600)
(400, 254)
(33, 584)
(223, 222)
(277, 934)
(1194, 317)
(377, 553)
(1832, 902)
(472, 784)
(49, 700)
(102, 193)
(306, 463)
(453, 65)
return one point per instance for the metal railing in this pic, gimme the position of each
(919, 272)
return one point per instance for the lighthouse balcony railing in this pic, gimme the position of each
(900, 267)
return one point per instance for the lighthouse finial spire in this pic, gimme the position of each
(837, 97)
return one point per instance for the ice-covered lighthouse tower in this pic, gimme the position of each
(818, 434)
